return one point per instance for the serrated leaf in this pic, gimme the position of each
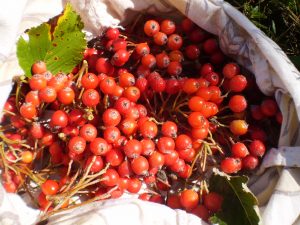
(62, 52)
(68, 43)
(239, 205)
(35, 48)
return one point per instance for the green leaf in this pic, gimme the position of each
(62, 52)
(239, 205)
(35, 49)
(68, 43)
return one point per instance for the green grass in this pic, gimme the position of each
(279, 19)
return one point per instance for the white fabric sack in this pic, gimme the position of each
(277, 182)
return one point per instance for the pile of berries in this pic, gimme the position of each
(160, 106)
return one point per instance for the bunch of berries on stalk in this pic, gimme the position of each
(160, 106)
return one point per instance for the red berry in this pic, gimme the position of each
(151, 27)
(213, 201)
(50, 187)
(231, 165)
(269, 107)
(237, 103)
(257, 148)
(189, 199)
(250, 162)
(239, 150)
(99, 146)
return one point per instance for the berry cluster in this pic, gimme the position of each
(159, 106)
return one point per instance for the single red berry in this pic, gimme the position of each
(230, 70)
(151, 27)
(90, 97)
(213, 201)
(37, 82)
(59, 119)
(237, 103)
(133, 148)
(110, 178)
(96, 163)
(231, 165)
(39, 67)
(238, 83)
(99, 146)
(239, 150)
(175, 42)
(28, 111)
(189, 199)
(50, 187)
(192, 52)
(112, 33)
(140, 165)
(269, 107)
(257, 148)
(167, 26)
(250, 162)
(88, 132)
(77, 145)
(160, 38)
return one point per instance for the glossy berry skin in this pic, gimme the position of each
(169, 129)
(160, 38)
(28, 111)
(165, 144)
(174, 42)
(133, 148)
(183, 142)
(134, 185)
(48, 94)
(37, 82)
(112, 33)
(238, 127)
(140, 165)
(239, 150)
(110, 178)
(50, 187)
(59, 119)
(231, 165)
(167, 26)
(189, 199)
(237, 103)
(99, 146)
(250, 162)
(257, 148)
(151, 28)
(66, 95)
(238, 83)
(39, 67)
(111, 134)
(111, 117)
(114, 157)
(213, 201)
(156, 160)
(77, 145)
(148, 129)
(97, 163)
(88, 132)
(192, 52)
(230, 70)
(89, 81)
(90, 97)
